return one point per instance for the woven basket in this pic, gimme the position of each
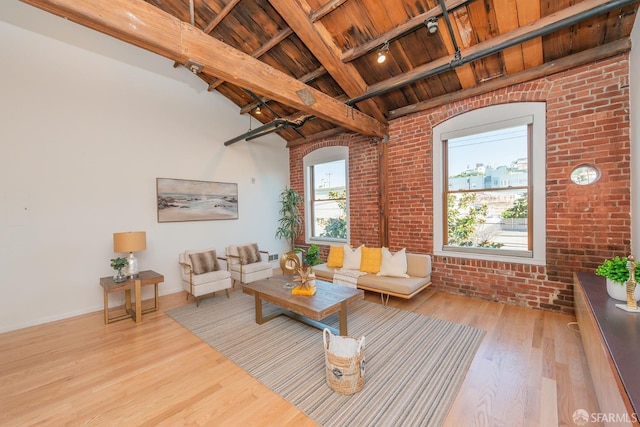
(345, 375)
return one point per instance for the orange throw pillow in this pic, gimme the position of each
(371, 260)
(336, 257)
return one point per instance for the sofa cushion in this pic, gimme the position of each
(370, 260)
(418, 265)
(336, 257)
(204, 262)
(352, 258)
(398, 285)
(393, 265)
(249, 254)
(323, 271)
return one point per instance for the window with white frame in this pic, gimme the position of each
(489, 173)
(326, 195)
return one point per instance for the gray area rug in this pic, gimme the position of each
(414, 364)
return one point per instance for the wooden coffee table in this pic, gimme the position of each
(328, 299)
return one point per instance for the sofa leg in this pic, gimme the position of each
(227, 292)
(197, 301)
(382, 298)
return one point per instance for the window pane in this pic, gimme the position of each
(496, 159)
(329, 202)
(496, 219)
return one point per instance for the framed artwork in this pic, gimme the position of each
(188, 200)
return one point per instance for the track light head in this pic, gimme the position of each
(383, 53)
(432, 25)
(258, 110)
(194, 66)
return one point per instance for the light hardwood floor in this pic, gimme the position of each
(530, 370)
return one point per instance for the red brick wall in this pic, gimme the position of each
(587, 122)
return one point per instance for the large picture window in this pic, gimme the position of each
(326, 198)
(490, 178)
(487, 190)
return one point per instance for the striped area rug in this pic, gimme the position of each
(414, 364)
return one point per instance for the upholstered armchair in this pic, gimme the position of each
(247, 263)
(202, 274)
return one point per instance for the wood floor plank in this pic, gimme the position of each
(530, 369)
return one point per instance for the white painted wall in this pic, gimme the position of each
(634, 116)
(87, 125)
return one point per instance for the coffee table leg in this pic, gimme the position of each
(343, 318)
(259, 319)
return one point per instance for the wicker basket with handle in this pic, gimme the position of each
(344, 373)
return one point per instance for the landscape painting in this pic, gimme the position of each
(189, 200)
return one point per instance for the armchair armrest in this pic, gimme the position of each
(187, 266)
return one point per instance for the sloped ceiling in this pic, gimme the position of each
(310, 66)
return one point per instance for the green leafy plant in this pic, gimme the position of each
(290, 217)
(336, 227)
(312, 256)
(118, 263)
(615, 269)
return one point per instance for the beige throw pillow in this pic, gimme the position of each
(204, 262)
(393, 265)
(352, 258)
(249, 254)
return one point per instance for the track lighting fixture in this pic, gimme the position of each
(432, 25)
(383, 52)
(258, 110)
(194, 66)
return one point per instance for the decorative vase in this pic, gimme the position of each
(119, 276)
(618, 291)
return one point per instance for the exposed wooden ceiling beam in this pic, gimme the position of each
(260, 51)
(326, 9)
(220, 16)
(495, 43)
(409, 26)
(309, 77)
(318, 40)
(146, 26)
(585, 57)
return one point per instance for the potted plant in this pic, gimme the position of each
(289, 228)
(616, 271)
(118, 264)
(312, 256)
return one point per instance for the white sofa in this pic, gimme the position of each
(202, 274)
(418, 271)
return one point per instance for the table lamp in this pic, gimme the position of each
(131, 241)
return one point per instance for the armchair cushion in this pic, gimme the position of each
(204, 262)
(249, 254)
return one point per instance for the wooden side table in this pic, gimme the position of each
(147, 277)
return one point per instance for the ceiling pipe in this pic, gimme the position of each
(261, 102)
(452, 34)
(598, 10)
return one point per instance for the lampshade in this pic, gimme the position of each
(131, 241)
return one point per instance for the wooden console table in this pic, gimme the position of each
(147, 277)
(611, 341)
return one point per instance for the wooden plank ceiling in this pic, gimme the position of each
(308, 68)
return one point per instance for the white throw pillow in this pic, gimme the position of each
(393, 265)
(351, 258)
